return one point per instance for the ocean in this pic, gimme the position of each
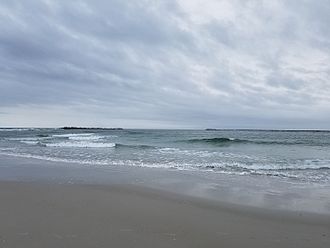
(302, 156)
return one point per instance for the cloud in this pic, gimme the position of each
(183, 63)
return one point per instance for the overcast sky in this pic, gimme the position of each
(165, 64)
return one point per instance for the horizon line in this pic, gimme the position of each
(202, 129)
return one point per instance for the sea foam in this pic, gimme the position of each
(82, 144)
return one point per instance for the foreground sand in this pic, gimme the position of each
(37, 215)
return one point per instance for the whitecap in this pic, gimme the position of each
(82, 144)
(30, 142)
(68, 135)
(14, 129)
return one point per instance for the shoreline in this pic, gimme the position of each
(36, 214)
(256, 192)
(53, 204)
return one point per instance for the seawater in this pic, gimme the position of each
(303, 156)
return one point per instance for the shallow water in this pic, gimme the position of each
(302, 156)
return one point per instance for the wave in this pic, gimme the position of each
(227, 141)
(304, 168)
(54, 159)
(42, 135)
(15, 129)
(83, 136)
(220, 140)
(266, 168)
(275, 142)
(32, 142)
(288, 167)
(23, 139)
(81, 144)
(86, 138)
(117, 145)
(70, 135)
(76, 140)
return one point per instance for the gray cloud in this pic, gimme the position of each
(165, 63)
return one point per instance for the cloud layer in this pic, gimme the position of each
(165, 64)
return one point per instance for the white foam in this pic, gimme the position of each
(53, 159)
(82, 144)
(30, 142)
(79, 136)
(85, 137)
(14, 129)
(304, 165)
(28, 138)
(204, 154)
(95, 162)
(167, 149)
(68, 135)
(21, 139)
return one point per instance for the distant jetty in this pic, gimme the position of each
(92, 128)
(268, 130)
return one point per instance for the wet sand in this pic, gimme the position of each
(49, 215)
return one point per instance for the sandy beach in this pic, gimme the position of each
(51, 215)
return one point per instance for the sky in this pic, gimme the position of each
(165, 63)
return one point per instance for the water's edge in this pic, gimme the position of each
(253, 191)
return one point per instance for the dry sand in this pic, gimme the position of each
(34, 215)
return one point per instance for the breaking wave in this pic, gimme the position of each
(227, 141)
(216, 140)
(82, 144)
(15, 129)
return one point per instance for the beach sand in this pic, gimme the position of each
(34, 215)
